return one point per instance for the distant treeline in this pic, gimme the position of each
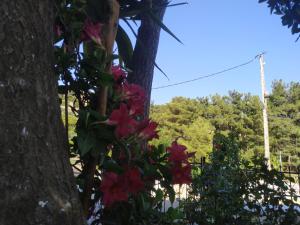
(195, 122)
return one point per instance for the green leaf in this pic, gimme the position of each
(112, 166)
(145, 202)
(133, 11)
(161, 149)
(95, 115)
(106, 79)
(144, 47)
(163, 26)
(104, 132)
(177, 4)
(165, 171)
(150, 170)
(87, 116)
(99, 147)
(171, 193)
(159, 195)
(85, 143)
(98, 10)
(157, 67)
(124, 46)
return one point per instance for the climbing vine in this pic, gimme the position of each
(117, 167)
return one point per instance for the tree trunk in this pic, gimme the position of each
(36, 180)
(145, 51)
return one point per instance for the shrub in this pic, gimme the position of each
(230, 190)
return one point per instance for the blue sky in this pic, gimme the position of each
(221, 34)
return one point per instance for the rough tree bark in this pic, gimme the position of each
(145, 50)
(36, 179)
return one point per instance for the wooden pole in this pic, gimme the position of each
(109, 36)
(265, 114)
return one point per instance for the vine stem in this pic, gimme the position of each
(109, 36)
(66, 113)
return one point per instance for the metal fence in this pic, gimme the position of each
(296, 177)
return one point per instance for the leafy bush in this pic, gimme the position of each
(231, 190)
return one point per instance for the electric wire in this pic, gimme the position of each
(208, 75)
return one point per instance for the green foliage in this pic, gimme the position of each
(194, 122)
(289, 12)
(231, 190)
(198, 136)
(284, 110)
(176, 118)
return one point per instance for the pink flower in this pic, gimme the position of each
(133, 91)
(119, 74)
(180, 166)
(177, 153)
(135, 97)
(136, 107)
(125, 125)
(113, 189)
(91, 31)
(148, 130)
(133, 180)
(181, 174)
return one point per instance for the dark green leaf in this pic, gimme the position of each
(106, 79)
(143, 47)
(171, 193)
(124, 46)
(112, 166)
(163, 26)
(85, 143)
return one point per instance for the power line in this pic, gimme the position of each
(208, 75)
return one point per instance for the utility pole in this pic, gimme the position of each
(265, 115)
